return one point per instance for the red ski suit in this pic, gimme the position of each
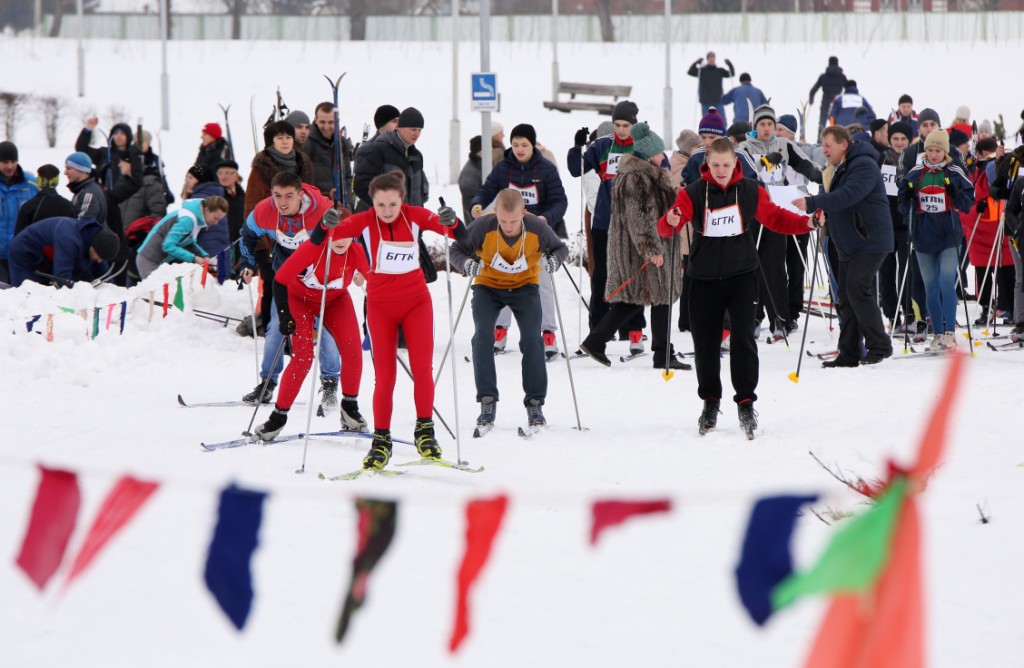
(399, 298)
(303, 274)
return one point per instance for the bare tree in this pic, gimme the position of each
(604, 15)
(117, 114)
(357, 12)
(51, 110)
(237, 9)
(12, 108)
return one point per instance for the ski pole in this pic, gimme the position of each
(263, 390)
(994, 288)
(984, 279)
(458, 319)
(568, 366)
(795, 376)
(764, 279)
(451, 340)
(900, 305)
(580, 246)
(970, 241)
(255, 338)
(628, 280)
(970, 338)
(575, 285)
(317, 345)
(668, 373)
(408, 372)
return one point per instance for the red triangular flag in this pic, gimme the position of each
(611, 513)
(50, 526)
(123, 500)
(167, 298)
(483, 520)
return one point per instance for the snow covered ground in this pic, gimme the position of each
(657, 591)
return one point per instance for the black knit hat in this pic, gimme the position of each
(738, 129)
(526, 131)
(901, 128)
(410, 118)
(106, 244)
(625, 111)
(8, 151)
(201, 172)
(227, 163)
(384, 115)
(987, 144)
(906, 99)
(277, 128)
(475, 144)
(832, 60)
(877, 125)
(958, 137)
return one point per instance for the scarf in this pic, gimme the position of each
(288, 161)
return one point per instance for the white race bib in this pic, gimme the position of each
(933, 202)
(725, 222)
(529, 193)
(310, 280)
(498, 263)
(889, 178)
(397, 257)
(852, 101)
(612, 166)
(294, 241)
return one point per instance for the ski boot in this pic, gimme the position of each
(920, 334)
(748, 417)
(261, 395)
(269, 430)
(636, 342)
(486, 418)
(426, 444)
(708, 419)
(550, 345)
(351, 419)
(599, 356)
(534, 414)
(380, 451)
(1017, 335)
(778, 331)
(328, 393)
(500, 339)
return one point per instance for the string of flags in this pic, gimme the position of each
(871, 568)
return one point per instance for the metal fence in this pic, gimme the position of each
(910, 27)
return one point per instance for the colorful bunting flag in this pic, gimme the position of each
(223, 267)
(228, 571)
(110, 315)
(206, 272)
(606, 514)
(377, 520)
(49, 328)
(31, 323)
(95, 322)
(765, 559)
(152, 302)
(179, 296)
(50, 526)
(483, 520)
(119, 507)
(124, 310)
(167, 298)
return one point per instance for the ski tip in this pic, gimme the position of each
(181, 401)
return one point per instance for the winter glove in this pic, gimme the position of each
(447, 217)
(773, 158)
(472, 267)
(550, 263)
(729, 63)
(334, 216)
(580, 140)
(701, 60)
(286, 322)
(982, 206)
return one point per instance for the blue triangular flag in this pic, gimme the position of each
(765, 559)
(31, 323)
(228, 574)
(223, 267)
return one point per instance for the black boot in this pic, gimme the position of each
(329, 392)
(597, 356)
(380, 451)
(351, 419)
(748, 417)
(269, 430)
(261, 395)
(708, 419)
(423, 436)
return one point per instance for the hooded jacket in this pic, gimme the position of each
(174, 237)
(287, 231)
(108, 157)
(58, 246)
(743, 98)
(859, 222)
(933, 232)
(851, 107)
(21, 189)
(536, 179)
(792, 157)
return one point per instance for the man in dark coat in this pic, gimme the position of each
(213, 148)
(471, 177)
(394, 151)
(121, 180)
(831, 83)
(709, 82)
(68, 248)
(859, 224)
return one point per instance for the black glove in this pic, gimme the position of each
(773, 158)
(550, 263)
(701, 60)
(729, 63)
(581, 137)
(447, 216)
(286, 322)
(982, 206)
(472, 267)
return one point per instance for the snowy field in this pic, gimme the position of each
(658, 591)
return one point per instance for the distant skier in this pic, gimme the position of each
(744, 98)
(709, 82)
(831, 83)
(850, 107)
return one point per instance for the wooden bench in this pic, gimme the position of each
(602, 90)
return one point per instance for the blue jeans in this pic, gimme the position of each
(330, 358)
(939, 272)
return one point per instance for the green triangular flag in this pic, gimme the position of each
(854, 558)
(179, 297)
(96, 322)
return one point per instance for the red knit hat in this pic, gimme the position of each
(213, 129)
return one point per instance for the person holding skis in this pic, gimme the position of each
(536, 178)
(285, 220)
(709, 81)
(507, 252)
(933, 190)
(299, 285)
(397, 296)
(175, 238)
(717, 216)
(213, 148)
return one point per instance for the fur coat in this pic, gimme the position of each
(641, 194)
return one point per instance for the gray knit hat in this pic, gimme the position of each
(646, 144)
(297, 118)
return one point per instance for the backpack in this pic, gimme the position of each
(139, 230)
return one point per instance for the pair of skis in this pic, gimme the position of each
(440, 463)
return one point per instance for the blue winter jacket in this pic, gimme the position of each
(851, 107)
(58, 246)
(212, 239)
(859, 221)
(743, 98)
(12, 196)
(174, 237)
(537, 172)
(933, 233)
